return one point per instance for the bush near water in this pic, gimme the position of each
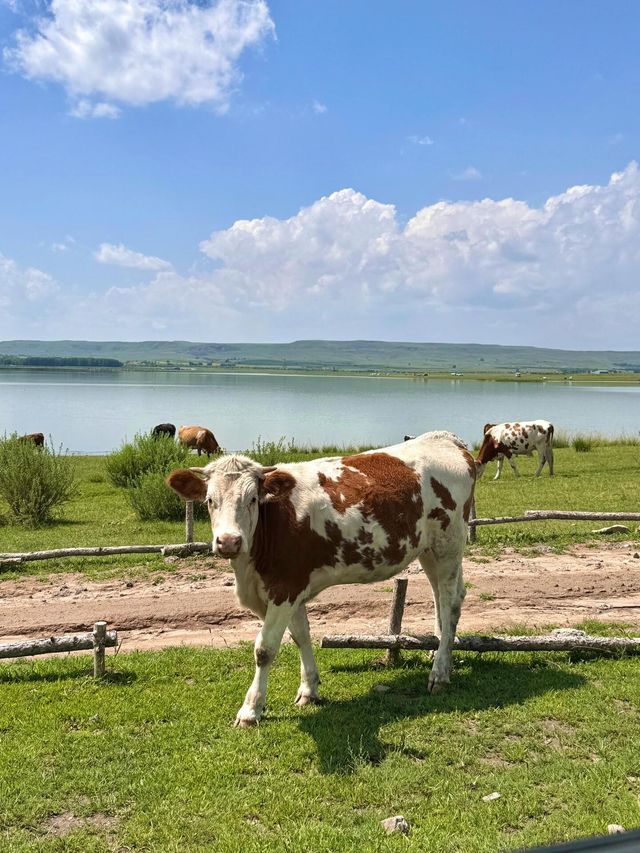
(35, 482)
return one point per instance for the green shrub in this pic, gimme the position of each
(582, 444)
(153, 500)
(145, 454)
(35, 482)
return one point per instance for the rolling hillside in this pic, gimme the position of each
(341, 355)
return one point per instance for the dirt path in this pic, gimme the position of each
(195, 604)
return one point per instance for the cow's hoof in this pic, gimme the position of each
(242, 723)
(245, 720)
(307, 699)
(436, 684)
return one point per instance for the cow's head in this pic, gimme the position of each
(490, 449)
(233, 488)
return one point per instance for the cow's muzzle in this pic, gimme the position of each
(228, 545)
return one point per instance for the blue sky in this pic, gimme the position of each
(280, 170)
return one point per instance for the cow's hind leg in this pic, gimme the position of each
(309, 678)
(266, 648)
(542, 458)
(451, 594)
(512, 462)
(430, 568)
(549, 454)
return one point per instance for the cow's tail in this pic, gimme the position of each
(550, 434)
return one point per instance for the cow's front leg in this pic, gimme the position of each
(265, 650)
(309, 678)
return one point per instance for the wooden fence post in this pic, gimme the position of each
(472, 533)
(99, 637)
(188, 522)
(392, 657)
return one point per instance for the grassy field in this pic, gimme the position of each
(149, 761)
(607, 478)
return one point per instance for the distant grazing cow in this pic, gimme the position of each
(163, 429)
(36, 437)
(516, 439)
(293, 530)
(201, 438)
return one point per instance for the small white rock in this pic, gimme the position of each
(381, 688)
(396, 824)
(615, 828)
(490, 797)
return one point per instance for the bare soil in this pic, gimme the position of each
(193, 603)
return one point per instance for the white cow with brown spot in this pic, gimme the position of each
(519, 438)
(293, 530)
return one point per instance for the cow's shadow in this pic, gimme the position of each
(347, 731)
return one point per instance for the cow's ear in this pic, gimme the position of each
(276, 486)
(187, 484)
(486, 428)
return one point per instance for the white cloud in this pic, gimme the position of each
(86, 109)
(468, 174)
(63, 246)
(420, 140)
(120, 256)
(140, 51)
(564, 274)
(26, 297)
(318, 107)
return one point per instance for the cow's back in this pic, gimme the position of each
(363, 517)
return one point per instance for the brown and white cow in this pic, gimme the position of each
(520, 438)
(296, 529)
(201, 438)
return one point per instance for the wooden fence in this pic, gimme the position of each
(189, 547)
(560, 640)
(98, 640)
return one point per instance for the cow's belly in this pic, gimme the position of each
(334, 575)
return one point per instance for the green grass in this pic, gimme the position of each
(604, 479)
(149, 761)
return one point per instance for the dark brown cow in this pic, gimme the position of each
(36, 437)
(297, 529)
(200, 438)
(163, 429)
(519, 438)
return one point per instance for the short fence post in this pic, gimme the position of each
(472, 534)
(392, 657)
(188, 522)
(99, 638)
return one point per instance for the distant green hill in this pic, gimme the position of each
(341, 355)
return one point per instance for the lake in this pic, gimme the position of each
(96, 412)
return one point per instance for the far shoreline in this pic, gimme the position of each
(630, 379)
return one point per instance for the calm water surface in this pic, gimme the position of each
(95, 412)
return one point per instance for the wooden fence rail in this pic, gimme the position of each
(561, 640)
(190, 547)
(184, 549)
(98, 640)
(558, 515)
